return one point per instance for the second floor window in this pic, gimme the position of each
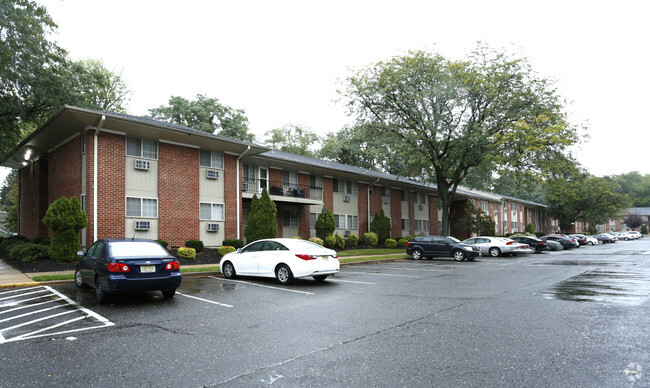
(212, 159)
(141, 207)
(141, 148)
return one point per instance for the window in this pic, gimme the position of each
(290, 218)
(142, 148)
(312, 220)
(485, 206)
(316, 182)
(346, 221)
(344, 187)
(249, 173)
(421, 198)
(405, 195)
(290, 179)
(141, 207)
(82, 200)
(212, 159)
(83, 143)
(406, 224)
(211, 211)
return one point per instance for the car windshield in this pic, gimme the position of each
(454, 239)
(137, 249)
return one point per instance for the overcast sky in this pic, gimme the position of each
(282, 61)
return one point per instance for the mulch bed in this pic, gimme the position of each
(207, 256)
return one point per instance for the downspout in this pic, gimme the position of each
(369, 186)
(239, 194)
(99, 128)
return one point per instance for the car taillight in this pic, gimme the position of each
(510, 242)
(173, 265)
(118, 267)
(542, 243)
(307, 257)
(408, 244)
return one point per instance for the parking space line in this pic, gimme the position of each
(204, 300)
(417, 269)
(351, 281)
(264, 286)
(382, 274)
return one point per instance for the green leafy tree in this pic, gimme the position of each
(634, 185)
(262, 221)
(9, 201)
(292, 138)
(633, 221)
(380, 225)
(474, 220)
(90, 84)
(65, 218)
(489, 111)
(205, 114)
(325, 224)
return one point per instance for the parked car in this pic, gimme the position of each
(127, 265)
(497, 246)
(574, 240)
(635, 233)
(566, 242)
(581, 238)
(606, 238)
(537, 244)
(553, 245)
(440, 246)
(591, 240)
(627, 236)
(281, 258)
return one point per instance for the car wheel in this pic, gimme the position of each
(320, 278)
(283, 274)
(228, 270)
(78, 281)
(590, 243)
(459, 255)
(100, 293)
(494, 252)
(168, 293)
(416, 254)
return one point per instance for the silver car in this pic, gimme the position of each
(498, 246)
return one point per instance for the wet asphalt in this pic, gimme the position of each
(571, 318)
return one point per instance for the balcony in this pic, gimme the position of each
(282, 191)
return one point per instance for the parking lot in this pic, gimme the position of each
(558, 318)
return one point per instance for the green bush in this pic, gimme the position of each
(261, 221)
(196, 244)
(42, 240)
(380, 225)
(233, 242)
(370, 239)
(27, 251)
(317, 240)
(8, 242)
(226, 249)
(402, 243)
(390, 243)
(325, 224)
(644, 229)
(163, 243)
(330, 241)
(530, 228)
(407, 238)
(187, 253)
(340, 242)
(65, 218)
(352, 241)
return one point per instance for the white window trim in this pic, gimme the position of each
(141, 207)
(211, 211)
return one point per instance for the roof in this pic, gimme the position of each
(642, 211)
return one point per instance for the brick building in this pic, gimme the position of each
(139, 177)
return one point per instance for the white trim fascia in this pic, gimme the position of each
(178, 144)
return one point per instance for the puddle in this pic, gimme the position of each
(618, 286)
(587, 263)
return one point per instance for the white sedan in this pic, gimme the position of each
(281, 258)
(497, 246)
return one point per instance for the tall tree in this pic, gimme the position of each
(205, 114)
(292, 138)
(90, 84)
(261, 221)
(452, 117)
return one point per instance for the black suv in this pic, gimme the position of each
(430, 246)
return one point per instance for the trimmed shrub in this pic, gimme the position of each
(330, 241)
(317, 240)
(407, 238)
(187, 253)
(42, 240)
(530, 228)
(65, 218)
(325, 224)
(352, 241)
(340, 242)
(644, 229)
(27, 251)
(370, 239)
(163, 243)
(196, 244)
(402, 243)
(261, 221)
(9, 242)
(380, 225)
(233, 242)
(390, 243)
(226, 249)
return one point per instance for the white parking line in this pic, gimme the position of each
(382, 274)
(263, 286)
(351, 281)
(204, 300)
(418, 269)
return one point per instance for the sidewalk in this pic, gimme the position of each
(10, 277)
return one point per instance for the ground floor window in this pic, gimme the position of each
(142, 207)
(211, 211)
(290, 218)
(346, 221)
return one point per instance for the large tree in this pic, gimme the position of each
(292, 138)
(455, 116)
(205, 114)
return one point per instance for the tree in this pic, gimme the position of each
(636, 186)
(261, 221)
(9, 201)
(380, 225)
(205, 114)
(65, 218)
(476, 221)
(633, 221)
(325, 224)
(453, 117)
(292, 138)
(91, 85)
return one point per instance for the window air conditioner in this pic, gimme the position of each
(142, 225)
(346, 198)
(245, 186)
(386, 200)
(421, 207)
(142, 164)
(213, 227)
(346, 233)
(212, 174)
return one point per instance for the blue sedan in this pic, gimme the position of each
(127, 265)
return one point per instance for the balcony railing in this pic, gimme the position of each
(283, 189)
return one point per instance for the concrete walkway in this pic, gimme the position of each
(10, 277)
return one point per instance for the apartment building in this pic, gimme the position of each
(138, 177)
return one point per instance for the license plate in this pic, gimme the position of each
(147, 268)
(324, 257)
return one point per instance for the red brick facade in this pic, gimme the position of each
(111, 198)
(230, 196)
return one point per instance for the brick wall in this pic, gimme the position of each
(363, 208)
(328, 193)
(230, 197)
(396, 213)
(303, 210)
(433, 215)
(32, 200)
(178, 194)
(64, 171)
(111, 197)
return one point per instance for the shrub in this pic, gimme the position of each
(226, 249)
(317, 240)
(402, 243)
(390, 243)
(234, 242)
(163, 243)
(352, 241)
(380, 225)
(644, 229)
(261, 221)
(27, 251)
(42, 240)
(65, 218)
(187, 253)
(196, 244)
(407, 238)
(9, 242)
(330, 241)
(325, 224)
(340, 242)
(530, 228)
(370, 239)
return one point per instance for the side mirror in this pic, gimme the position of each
(238, 250)
(80, 253)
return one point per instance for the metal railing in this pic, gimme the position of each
(283, 189)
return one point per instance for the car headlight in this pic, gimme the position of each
(469, 248)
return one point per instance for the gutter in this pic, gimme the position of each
(238, 196)
(368, 196)
(99, 128)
